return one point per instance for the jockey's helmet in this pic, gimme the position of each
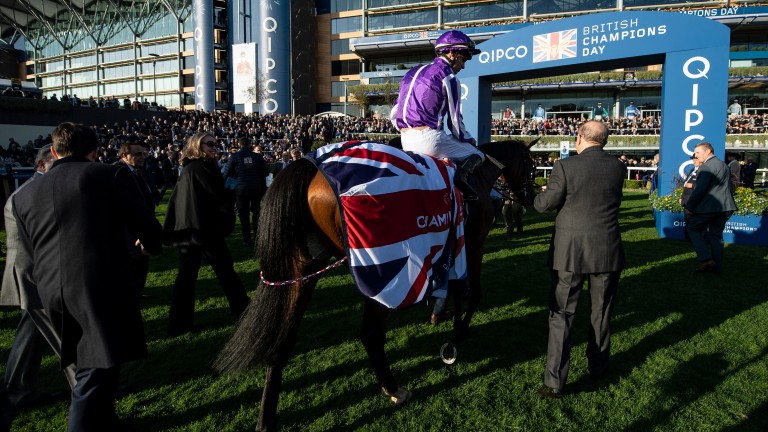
(455, 40)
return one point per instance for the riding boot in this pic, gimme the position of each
(461, 179)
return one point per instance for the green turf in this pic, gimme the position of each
(690, 351)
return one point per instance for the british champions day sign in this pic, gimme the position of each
(693, 51)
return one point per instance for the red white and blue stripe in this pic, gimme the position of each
(403, 226)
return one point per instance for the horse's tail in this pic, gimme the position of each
(267, 323)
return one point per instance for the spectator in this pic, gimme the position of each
(35, 329)
(734, 110)
(170, 169)
(708, 209)
(748, 173)
(586, 191)
(250, 170)
(199, 217)
(735, 170)
(78, 244)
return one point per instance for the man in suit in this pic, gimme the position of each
(586, 191)
(35, 330)
(708, 209)
(133, 156)
(250, 170)
(285, 160)
(81, 266)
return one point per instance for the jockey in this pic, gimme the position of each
(427, 94)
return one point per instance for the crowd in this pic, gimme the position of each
(275, 134)
(280, 133)
(741, 124)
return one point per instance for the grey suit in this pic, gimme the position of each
(709, 207)
(586, 190)
(35, 329)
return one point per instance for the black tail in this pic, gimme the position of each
(281, 249)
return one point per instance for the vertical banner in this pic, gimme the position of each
(244, 81)
(275, 56)
(205, 91)
(694, 92)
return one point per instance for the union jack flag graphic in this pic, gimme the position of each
(401, 228)
(554, 46)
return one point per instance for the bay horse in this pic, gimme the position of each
(300, 230)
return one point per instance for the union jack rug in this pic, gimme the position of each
(402, 221)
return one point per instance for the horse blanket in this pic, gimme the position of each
(402, 219)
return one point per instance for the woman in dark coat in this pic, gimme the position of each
(199, 218)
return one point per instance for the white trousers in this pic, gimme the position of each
(438, 144)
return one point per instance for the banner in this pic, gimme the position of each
(244, 73)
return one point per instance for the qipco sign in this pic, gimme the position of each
(275, 57)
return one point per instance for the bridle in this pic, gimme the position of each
(527, 184)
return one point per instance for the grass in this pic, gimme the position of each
(690, 352)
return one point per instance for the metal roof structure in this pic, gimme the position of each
(67, 22)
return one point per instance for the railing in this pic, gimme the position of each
(761, 177)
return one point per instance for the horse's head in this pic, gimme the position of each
(519, 168)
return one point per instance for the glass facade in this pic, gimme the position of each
(340, 46)
(483, 11)
(346, 25)
(337, 87)
(345, 67)
(402, 20)
(400, 62)
(345, 5)
(132, 53)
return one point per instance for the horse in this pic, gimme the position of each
(300, 230)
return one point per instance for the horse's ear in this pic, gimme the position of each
(533, 143)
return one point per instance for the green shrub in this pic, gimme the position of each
(633, 184)
(541, 181)
(748, 202)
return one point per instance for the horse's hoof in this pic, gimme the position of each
(448, 353)
(401, 396)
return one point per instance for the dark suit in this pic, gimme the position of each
(279, 167)
(709, 207)
(586, 191)
(81, 268)
(250, 170)
(35, 330)
(139, 262)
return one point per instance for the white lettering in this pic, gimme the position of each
(270, 105)
(592, 51)
(687, 140)
(500, 54)
(701, 72)
(267, 86)
(689, 119)
(428, 221)
(270, 24)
